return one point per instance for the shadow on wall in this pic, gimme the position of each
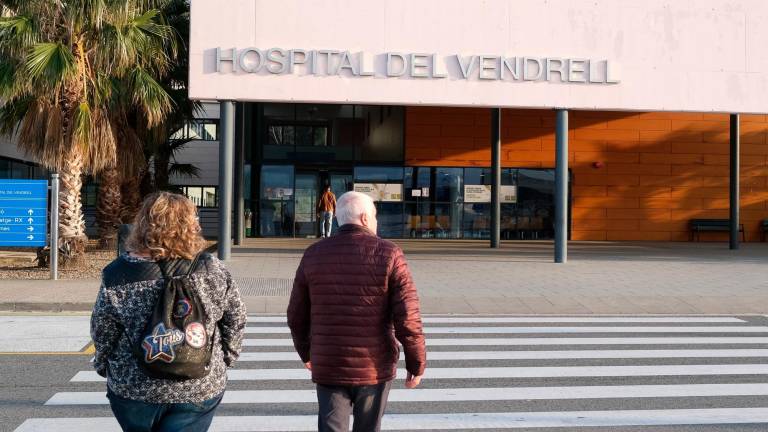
(636, 176)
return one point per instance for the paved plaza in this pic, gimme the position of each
(465, 277)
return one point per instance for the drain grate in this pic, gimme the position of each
(264, 287)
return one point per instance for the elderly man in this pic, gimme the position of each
(353, 298)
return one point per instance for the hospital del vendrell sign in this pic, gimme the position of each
(278, 61)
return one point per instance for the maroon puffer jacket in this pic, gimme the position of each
(353, 295)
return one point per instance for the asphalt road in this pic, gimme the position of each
(623, 374)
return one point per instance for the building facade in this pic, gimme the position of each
(633, 176)
(580, 119)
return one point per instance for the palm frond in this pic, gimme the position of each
(12, 83)
(148, 96)
(41, 134)
(17, 33)
(81, 131)
(50, 64)
(101, 151)
(12, 112)
(183, 170)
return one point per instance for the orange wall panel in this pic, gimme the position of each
(656, 171)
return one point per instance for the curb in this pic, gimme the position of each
(46, 307)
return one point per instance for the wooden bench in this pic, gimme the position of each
(712, 225)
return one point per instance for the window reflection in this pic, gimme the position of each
(433, 203)
(276, 205)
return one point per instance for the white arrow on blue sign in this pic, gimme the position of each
(23, 212)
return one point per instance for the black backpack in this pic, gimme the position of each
(175, 344)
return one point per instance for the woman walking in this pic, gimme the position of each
(165, 244)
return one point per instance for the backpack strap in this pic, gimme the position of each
(192, 265)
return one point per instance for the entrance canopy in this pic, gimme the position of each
(656, 55)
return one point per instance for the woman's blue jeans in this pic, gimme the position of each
(136, 416)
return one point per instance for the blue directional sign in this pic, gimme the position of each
(23, 212)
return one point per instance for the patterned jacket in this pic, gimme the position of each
(130, 288)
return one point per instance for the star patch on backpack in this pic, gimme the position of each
(160, 344)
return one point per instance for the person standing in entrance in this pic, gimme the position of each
(353, 299)
(326, 207)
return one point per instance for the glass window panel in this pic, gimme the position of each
(285, 112)
(348, 129)
(280, 135)
(89, 192)
(305, 201)
(277, 182)
(418, 183)
(5, 169)
(383, 134)
(340, 183)
(390, 219)
(378, 174)
(535, 203)
(195, 194)
(424, 219)
(408, 177)
(276, 218)
(424, 177)
(322, 112)
(508, 176)
(279, 152)
(38, 172)
(321, 136)
(209, 197)
(195, 131)
(181, 133)
(19, 170)
(210, 131)
(449, 184)
(477, 221)
(446, 220)
(247, 182)
(304, 135)
(508, 223)
(477, 176)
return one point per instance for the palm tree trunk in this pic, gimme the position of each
(131, 198)
(72, 238)
(108, 208)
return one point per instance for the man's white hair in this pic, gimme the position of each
(351, 206)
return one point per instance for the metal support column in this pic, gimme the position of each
(54, 249)
(239, 217)
(561, 186)
(734, 183)
(226, 151)
(495, 177)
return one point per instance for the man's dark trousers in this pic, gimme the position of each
(365, 403)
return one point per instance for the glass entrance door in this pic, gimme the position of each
(340, 182)
(307, 192)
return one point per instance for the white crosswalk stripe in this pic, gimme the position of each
(505, 372)
(276, 342)
(671, 371)
(517, 420)
(539, 319)
(536, 330)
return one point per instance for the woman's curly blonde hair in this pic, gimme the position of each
(166, 227)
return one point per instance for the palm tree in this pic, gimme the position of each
(159, 143)
(64, 67)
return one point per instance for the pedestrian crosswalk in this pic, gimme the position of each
(497, 373)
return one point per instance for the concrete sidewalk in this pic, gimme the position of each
(465, 277)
